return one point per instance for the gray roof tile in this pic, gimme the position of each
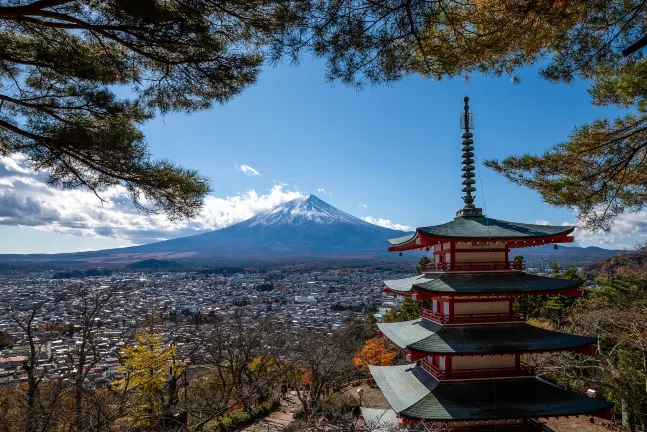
(477, 400)
(486, 228)
(422, 335)
(473, 283)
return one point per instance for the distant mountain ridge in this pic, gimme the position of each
(305, 228)
(540, 256)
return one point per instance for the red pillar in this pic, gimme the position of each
(452, 254)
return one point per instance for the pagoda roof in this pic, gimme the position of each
(482, 227)
(415, 394)
(425, 336)
(480, 283)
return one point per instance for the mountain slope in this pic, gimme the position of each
(306, 227)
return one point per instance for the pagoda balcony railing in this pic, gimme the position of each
(471, 318)
(460, 374)
(475, 266)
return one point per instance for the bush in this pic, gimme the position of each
(338, 405)
(241, 418)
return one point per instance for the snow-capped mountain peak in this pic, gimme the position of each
(307, 209)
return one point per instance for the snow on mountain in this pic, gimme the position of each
(307, 209)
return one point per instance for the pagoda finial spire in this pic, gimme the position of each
(467, 123)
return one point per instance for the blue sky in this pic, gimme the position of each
(390, 152)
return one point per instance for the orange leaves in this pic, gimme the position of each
(377, 352)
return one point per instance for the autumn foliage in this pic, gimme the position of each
(376, 352)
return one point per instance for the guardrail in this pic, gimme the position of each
(471, 318)
(475, 266)
(505, 372)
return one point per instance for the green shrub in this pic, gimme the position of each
(241, 418)
(299, 413)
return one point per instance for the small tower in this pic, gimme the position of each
(466, 371)
(467, 123)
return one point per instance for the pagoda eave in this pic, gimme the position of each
(415, 355)
(455, 284)
(418, 294)
(422, 337)
(421, 240)
(414, 394)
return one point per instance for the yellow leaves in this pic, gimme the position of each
(377, 352)
(147, 364)
(541, 323)
(262, 364)
(149, 359)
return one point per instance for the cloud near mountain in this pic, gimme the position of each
(386, 223)
(26, 200)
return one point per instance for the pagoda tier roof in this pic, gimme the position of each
(427, 337)
(480, 283)
(415, 394)
(481, 228)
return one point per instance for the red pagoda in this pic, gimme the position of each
(466, 349)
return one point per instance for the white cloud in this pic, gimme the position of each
(323, 191)
(247, 170)
(627, 231)
(361, 205)
(25, 200)
(386, 223)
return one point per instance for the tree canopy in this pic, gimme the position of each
(79, 77)
(601, 170)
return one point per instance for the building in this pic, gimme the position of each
(466, 372)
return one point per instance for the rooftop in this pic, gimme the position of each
(415, 394)
(424, 336)
(480, 228)
(480, 283)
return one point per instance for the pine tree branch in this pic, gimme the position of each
(9, 11)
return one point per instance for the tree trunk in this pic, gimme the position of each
(627, 424)
(78, 403)
(31, 404)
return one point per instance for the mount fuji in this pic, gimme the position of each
(303, 228)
